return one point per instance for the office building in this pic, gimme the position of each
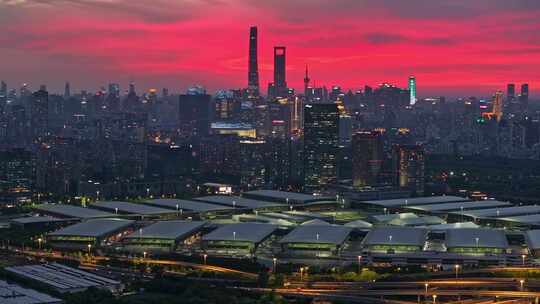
(321, 144)
(511, 93)
(252, 163)
(280, 82)
(367, 158)
(39, 115)
(524, 96)
(253, 69)
(408, 168)
(412, 90)
(195, 112)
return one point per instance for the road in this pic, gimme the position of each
(148, 261)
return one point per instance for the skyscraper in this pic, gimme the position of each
(253, 67)
(498, 105)
(3, 95)
(367, 158)
(280, 83)
(39, 112)
(524, 96)
(408, 167)
(3, 89)
(412, 90)
(511, 92)
(195, 112)
(67, 91)
(321, 144)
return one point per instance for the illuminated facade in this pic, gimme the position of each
(412, 90)
(367, 158)
(252, 164)
(408, 166)
(497, 109)
(321, 144)
(280, 82)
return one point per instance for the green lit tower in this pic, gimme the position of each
(412, 90)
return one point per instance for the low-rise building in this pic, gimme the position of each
(141, 210)
(395, 240)
(238, 202)
(532, 237)
(315, 240)
(193, 208)
(163, 236)
(476, 241)
(237, 239)
(14, 294)
(63, 278)
(71, 211)
(90, 234)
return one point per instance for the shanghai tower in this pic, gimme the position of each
(253, 72)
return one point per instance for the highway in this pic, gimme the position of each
(148, 261)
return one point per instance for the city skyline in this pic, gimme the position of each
(175, 44)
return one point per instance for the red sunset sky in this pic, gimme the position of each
(454, 47)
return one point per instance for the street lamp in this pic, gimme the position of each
(523, 259)
(97, 195)
(147, 192)
(426, 285)
(39, 242)
(477, 240)
(89, 248)
(116, 210)
(434, 299)
(144, 255)
(234, 235)
(359, 264)
(301, 273)
(521, 282)
(204, 258)
(274, 260)
(457, 269)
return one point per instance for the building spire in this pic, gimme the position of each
(306, 82)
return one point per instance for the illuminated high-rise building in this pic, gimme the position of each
(498, 105)
(321, 144)
(252, 163)
(408, 168)
(497, 108)
(253, 67)
(412, 90)
(367, 158)
(280, 82)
